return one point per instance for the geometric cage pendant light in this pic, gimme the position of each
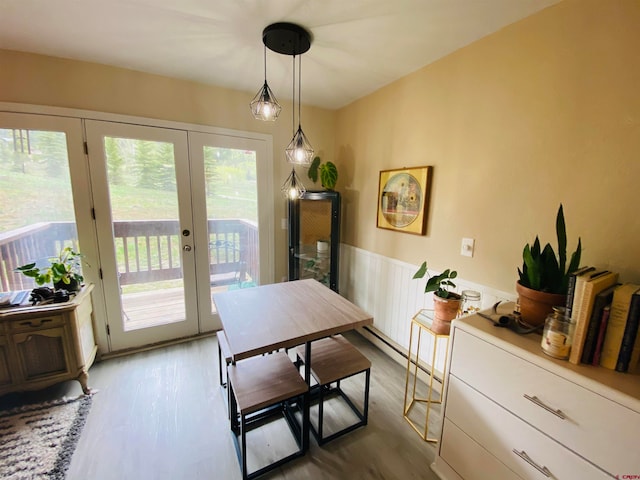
(264, 105)
(299, 151)
(287, 39)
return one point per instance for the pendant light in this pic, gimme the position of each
(293, 187)
(299, 151)
(264, 105)
(291, 39)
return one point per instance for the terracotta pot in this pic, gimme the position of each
(536, 305)
(445, 310)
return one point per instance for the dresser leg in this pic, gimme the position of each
(83, 378)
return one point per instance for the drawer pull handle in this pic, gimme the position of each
(523, 455)
(558, 413)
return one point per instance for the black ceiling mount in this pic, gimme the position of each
(286, 38)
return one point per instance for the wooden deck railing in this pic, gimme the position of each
(146, 250)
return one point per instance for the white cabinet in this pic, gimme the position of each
(512, 412)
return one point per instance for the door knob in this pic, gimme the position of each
(187, 248)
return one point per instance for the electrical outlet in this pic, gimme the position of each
(467, 247)
(283, 224)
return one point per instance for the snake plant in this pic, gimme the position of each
(542, 270)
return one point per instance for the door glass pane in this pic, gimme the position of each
(146, 230)
(232, 218)
(37, 218)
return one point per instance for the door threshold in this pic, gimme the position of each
(153, 346)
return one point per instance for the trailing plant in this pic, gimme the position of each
(542, 270)
(63, 269)
(328, 173)
(439, 284)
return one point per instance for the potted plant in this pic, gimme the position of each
(544, 278)
(446, 304)
(64, 271)
(328, 173)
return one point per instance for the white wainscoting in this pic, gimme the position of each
(384, 287)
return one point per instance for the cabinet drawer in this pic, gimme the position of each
(594, 427)
(28, 324)
(468, 459)
(520, 447)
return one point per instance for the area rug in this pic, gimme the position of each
(37, 441)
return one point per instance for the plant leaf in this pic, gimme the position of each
(561, 232)
(328, 175)
(421, 271)
(313, 169)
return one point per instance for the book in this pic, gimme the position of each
(590, 285)
(617, 321)
(634, 363)
(603, 328)
(593, 329)
(630, 334)
(572, 286)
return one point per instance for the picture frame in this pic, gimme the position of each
(403, 199)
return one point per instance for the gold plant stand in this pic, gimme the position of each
(420, 322)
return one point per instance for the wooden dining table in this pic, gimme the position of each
(262, 319)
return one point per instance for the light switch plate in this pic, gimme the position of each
(467, 247)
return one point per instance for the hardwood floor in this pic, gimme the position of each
(161, 414)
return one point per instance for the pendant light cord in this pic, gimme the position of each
(299, 87)
(293, 117)
(265, 64)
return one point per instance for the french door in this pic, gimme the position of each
(177, 218)
(164, 214)
(144, 224)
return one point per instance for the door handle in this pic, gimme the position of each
(187, 248)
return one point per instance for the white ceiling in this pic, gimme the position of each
(358, 45)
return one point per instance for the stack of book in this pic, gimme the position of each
(606, 317)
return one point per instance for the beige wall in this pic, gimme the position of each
(41, 80)
(543, 112)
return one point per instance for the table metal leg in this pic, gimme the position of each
(306, 398)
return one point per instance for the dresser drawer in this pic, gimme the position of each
(468, 459)
(520, 447)
(594, 427)
(29, 324)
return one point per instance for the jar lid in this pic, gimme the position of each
(471, 294)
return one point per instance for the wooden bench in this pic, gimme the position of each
(334, 359)
(261, 388)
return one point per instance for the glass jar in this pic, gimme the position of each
(471, 302)
(558, 334)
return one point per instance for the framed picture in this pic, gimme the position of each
(403, 199)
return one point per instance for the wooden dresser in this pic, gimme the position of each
(511, 412)
(43, 345)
